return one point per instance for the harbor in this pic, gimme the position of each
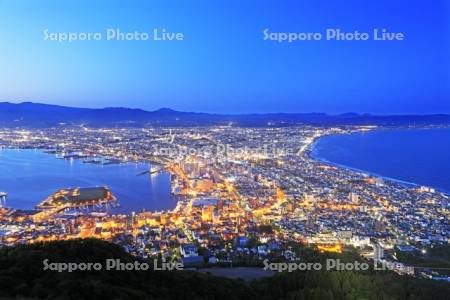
(137, 186)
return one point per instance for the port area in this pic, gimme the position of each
(73, 199)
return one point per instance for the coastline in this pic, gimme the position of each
(126, 203)
(310, 154)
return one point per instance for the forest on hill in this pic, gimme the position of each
(22, 275)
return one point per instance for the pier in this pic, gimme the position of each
(73, 199)
(152, 170)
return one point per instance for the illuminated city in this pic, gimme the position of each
(225, 150)
(240, 192)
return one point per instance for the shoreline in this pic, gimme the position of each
(408, 184)
(122, 209)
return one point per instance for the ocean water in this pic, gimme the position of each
(419, 156)
(30, 176)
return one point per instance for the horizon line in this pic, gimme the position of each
(226, 114)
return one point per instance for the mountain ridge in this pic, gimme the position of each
(31, 114)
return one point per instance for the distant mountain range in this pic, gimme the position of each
(30, 114)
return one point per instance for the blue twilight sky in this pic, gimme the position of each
(223, 64)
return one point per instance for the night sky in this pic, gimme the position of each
(223, 64)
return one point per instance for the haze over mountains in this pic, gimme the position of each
(30, 114)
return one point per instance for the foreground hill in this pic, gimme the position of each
(22, 276)
(29, 114)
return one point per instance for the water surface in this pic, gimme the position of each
(420, 156)
(30, 176)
